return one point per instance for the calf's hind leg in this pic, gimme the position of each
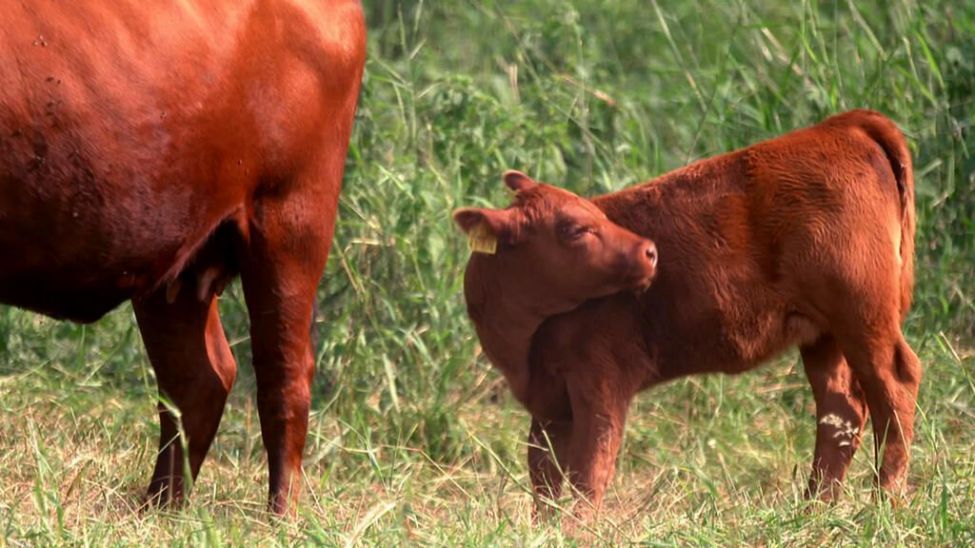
(195, 370)
(863, 312)
(889, 373)
(841, 412)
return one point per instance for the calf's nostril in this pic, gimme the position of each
(651, 252)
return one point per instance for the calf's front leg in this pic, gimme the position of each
(599, 406)
(548, 442)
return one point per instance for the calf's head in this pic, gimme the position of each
(551, 250)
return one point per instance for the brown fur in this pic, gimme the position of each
(585, 255)
(152, 152)
(805, 240)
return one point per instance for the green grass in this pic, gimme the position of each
(414, 438)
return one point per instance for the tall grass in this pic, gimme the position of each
(414, 438)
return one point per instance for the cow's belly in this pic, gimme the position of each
(78, 261)
(75, 272)
(61, 296)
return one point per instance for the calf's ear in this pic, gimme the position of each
(517, 180)
(469, 218)
(484, 227)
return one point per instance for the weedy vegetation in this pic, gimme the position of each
(414, 438)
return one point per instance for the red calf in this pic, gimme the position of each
(807, 240)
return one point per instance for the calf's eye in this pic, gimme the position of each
(575, 232)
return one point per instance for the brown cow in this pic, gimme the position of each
(152, 151)
(807, 240)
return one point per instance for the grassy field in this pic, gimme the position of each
(414, 438)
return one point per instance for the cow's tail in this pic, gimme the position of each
(890, 139)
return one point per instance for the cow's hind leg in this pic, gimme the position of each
(195, 370)
(281, 262)
(840, 415)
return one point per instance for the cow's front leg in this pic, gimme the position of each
(282, 261)
(195, 370)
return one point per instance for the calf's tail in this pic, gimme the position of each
(890, 139)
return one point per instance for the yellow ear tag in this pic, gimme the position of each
(481, 240)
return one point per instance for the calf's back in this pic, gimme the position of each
(754, 244)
